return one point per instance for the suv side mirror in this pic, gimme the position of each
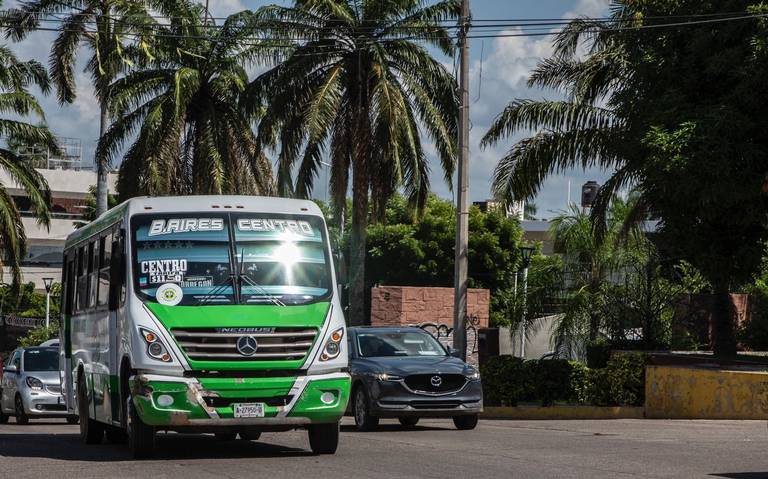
(456, 353)
(11, 368)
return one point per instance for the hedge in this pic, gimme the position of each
(509, 380)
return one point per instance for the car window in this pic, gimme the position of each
(398, 343)
(41, 359)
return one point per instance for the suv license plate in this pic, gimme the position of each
(249, 409)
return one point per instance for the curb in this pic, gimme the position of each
(562, 412)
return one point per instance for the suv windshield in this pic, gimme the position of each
(398, 343)
(41, 359)
(199, 260)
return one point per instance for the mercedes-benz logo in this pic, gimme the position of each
(247, 345)
(436, 381)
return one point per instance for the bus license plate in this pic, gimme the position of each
(249, 409)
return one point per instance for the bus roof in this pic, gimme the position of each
(195, 204)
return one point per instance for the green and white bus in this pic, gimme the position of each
(210, 314)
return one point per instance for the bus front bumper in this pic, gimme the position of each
(170, 401)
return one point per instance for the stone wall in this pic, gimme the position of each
(432, 310)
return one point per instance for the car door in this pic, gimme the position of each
(10, 378)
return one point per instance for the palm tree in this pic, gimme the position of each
(359, 90)
(187, 114)
(101, 25)
(15, 101)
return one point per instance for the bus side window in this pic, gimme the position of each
(82, 280)
(68, 285)
(105, 250)
(93, 272)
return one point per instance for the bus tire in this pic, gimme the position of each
(324, 438)
(141, 437)
(91, 431)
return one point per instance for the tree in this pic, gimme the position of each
(89, 212)
(672, 112)
(422, 249)
(101, 25)
(17, 103)
(187, 113)
(359, 89)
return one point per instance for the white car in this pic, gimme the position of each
(31, 386)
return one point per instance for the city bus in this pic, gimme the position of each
(203, 314)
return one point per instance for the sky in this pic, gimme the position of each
(505, 64)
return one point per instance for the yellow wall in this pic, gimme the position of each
(691, 393)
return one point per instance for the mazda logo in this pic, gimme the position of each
(436, 381)
(247, 345)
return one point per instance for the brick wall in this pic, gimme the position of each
(431, 309)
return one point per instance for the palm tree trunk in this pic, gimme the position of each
(723, 319)
(357, 250)
(102, 168)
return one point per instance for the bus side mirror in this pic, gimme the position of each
(341, 268)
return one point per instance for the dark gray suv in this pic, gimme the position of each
(405, 373)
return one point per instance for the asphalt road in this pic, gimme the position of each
(505, 449)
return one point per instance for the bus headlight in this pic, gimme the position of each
(155, 348)
(332, 347)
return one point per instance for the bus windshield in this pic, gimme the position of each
(200, 260)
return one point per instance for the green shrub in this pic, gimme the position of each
(598, 354)
(502, 385)
(552, 380)
(626, 378)
(509, 380)
(40, 335)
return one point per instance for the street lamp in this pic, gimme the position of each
(526, 252)
(48, 284)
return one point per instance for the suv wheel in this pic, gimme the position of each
(324, 438)
(141, 437)
(408, 421)
(21, 415)
(363, 419)
(465, 423)
(91, 431)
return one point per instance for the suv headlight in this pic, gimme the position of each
(472, 374)
(387, 377)
(34, 383)
(155, 347)
(332, 347)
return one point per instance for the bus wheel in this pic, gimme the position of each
(91, 431)
(141, 437)
(324, 438)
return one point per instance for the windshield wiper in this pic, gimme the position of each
(240, 276)
(202, 299)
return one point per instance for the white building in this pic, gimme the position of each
(69, 191)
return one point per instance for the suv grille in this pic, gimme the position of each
(424, 383)
(279, 344)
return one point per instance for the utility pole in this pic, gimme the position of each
(462, 198)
